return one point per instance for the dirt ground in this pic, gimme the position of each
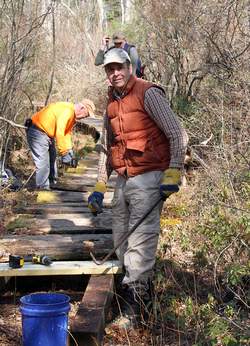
(11, 324)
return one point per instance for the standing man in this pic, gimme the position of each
(52, 124)
(119, 41)
(144, 142)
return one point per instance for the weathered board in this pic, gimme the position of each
(63, 222)
(58, 247)
(67, 196)
(88, 325)
(57, 208)
(87, 216)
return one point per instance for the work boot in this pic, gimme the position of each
(53, 183)
(134, 306)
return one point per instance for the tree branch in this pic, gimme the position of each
(12, 123)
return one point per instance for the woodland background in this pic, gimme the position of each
(198, 51)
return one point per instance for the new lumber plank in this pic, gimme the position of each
(61, 268)
(58, 247)
(88, 325)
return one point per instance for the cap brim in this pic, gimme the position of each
(115, 61)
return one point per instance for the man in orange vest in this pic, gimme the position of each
(144, 142)
(51, 124)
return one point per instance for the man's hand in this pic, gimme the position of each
(170, 182)
(105, 43)
(96, 198)
(67, 158)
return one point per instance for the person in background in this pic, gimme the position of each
(144, 142)
(53, 124)
(119, 41)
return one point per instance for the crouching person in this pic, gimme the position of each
(50, 127)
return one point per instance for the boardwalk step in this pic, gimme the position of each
(61, 268)
(88, 325)
(58, 247)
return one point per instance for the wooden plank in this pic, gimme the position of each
(61, 268)
(77, 230)
(56, 221)
(60, 221)
(67, 196)
(84, 179)
(50, 222)
(55, 209)
(58, 247)
(62, 227)
(77, 184)
(86, 217)
(88, 325)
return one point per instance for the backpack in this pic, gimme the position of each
(139, 67)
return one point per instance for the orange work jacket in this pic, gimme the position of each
(139, 144)
(57, 121)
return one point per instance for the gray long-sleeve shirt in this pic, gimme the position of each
(158, 109)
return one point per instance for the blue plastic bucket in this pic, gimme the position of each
(45, 319)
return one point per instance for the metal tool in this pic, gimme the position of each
(36, 259)
(126, 235)
(16, 261)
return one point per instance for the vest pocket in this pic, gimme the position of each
(137, 144)
(144, 152)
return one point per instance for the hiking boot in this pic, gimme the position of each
(124, 322)
(134, 308)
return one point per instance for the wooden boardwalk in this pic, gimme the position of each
(61, 226)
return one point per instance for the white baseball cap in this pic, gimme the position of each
(117, 55)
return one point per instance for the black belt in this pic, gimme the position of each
(31, 125)
(37, 128)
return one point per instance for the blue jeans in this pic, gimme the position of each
(44, 156)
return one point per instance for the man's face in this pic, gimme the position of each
(118, 74)
(119, 44)
(81, 111)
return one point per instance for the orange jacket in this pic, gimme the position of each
(139, 145)
(57, 121)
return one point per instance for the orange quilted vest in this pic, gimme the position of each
(139, 145)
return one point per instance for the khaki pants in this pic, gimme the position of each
(132, 198)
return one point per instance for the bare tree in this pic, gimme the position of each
(20, 22)
(192, 40)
